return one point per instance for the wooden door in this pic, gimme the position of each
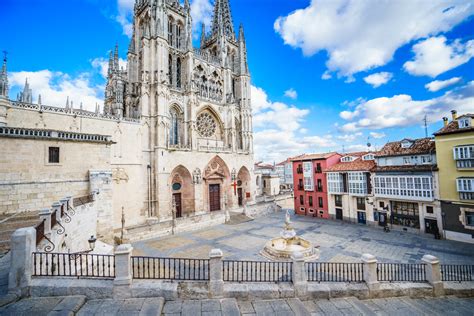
(214, 197)
(361, 219)
(240, 195)
(177, 201)
(339, 213)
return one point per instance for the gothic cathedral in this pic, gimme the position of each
(195, 105)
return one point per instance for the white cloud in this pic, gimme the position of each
(349, 138)
(377, 135)
(291, 93)
(378, 79)
(56, 87)
(201, 12)
(437, 85)
(326, 75)
(402, 110)
(102, 65)
(361, 35)
(434, 56)
(125, 16)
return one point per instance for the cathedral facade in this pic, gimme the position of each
(179, 117)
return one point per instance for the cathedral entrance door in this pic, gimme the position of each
(240, 195)
(214, 197)
(177, 201)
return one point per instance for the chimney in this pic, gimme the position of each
(454, 114)
(445, 121)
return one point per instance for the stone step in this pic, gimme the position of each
(69, 305)
(360, 306)
(297, 307)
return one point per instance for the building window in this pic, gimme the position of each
(53, 155)
(368, 157)
(318, 168)
(320, 202)
(409, 187)
(406, 160)
(382, 204)
(300, 184)
(335, 182)
(426, 160)
(357, 183)
(338, 200)
(464, 122)
(308, 176)
(360, 203)
(429, 209)
(264, 183)
(310, 201)
(178, 73)
(301, 200)
(320, 185)
(465, 187)
(299, 170)
(347, 159)
(470, 218)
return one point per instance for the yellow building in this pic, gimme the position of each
(455, 157)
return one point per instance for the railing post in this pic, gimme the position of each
(433, 274)
(70, 202)
(300, 279)
(123, 271)
(45, 214)
(370, 272)
(56, 207)
(216, 282)
(23, 244)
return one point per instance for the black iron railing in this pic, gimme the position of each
(40, 231)
(257, 271)
(334, 272)
(170, 268)
(73, 265)
(397, 272)
(457, 272)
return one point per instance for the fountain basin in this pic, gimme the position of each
(282, 249)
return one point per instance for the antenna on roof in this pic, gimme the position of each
(425, 121)
(368, 143)
(343, 149)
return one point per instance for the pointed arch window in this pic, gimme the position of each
(178, 73)
(175, 126)
(170, 69)
(170, 31)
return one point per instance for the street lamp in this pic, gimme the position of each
(92, 241)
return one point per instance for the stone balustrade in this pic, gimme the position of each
(51, 134)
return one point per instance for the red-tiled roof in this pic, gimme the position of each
(453, 127)
(313, 156)
(419, 146)
(356, 165)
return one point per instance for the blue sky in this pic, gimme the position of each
(326, 75)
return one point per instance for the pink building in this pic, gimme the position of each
(310, 183)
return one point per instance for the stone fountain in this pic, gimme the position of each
(283, 247)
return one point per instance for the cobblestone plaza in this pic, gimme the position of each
(338, 242)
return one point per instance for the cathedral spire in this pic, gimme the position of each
(4, 78)
(244, 68)
(203, 35)
(222, 19)
(111, 63)
(116, 58)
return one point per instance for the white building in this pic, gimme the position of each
(406, 186)
(284, 170)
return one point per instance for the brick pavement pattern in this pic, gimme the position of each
(77, 305)
(339, 242)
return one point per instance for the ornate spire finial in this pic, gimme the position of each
(4, 77)
(222, 19)
(116, 57)
(203, 35)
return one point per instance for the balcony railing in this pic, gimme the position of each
(465, 163)
(299, 170)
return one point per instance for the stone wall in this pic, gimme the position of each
(29, 182)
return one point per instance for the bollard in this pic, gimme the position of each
(433, 274)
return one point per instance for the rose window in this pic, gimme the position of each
(206, 125)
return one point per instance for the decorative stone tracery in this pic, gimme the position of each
(206, 125)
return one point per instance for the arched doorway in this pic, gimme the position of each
(217, 189)
(182, 190)
(243, 185)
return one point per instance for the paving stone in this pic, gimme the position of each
(311, 306)
(328, 307)
(230, 307)
(152, 306)
(246, 307)
(191, 308)
(90, 308)
(297, 307)
(263, 307)
(69, 305)
(210, 305)
(280, 305)
(360, 306)
(213, 313)
(172, 307)
(341, 303)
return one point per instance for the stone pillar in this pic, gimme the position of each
(45, 214)
(101, 184)
(216, 282)
(300, 280)
(123, 271)
(370, 272)
(433, 274)
(23, 244)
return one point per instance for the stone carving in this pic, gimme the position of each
(197, 176)
(119, 174)
(206, 125)
(214, 168)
